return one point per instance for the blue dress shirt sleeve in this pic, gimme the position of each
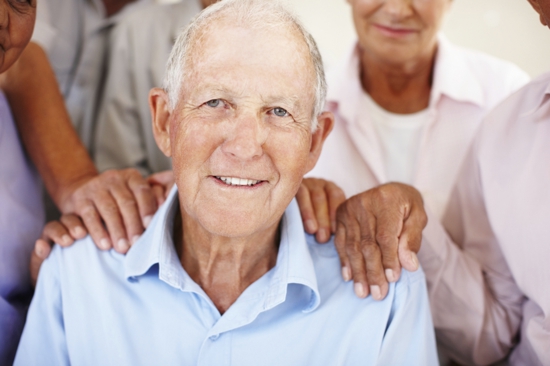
(43, 341)
(410, 338)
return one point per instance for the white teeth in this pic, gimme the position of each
(238, 181)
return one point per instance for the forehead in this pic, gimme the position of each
(270, 59)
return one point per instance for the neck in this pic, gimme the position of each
(114, 6)
(399, 88)
(224, 267)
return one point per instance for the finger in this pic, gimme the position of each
(356, 261)
(340, 245)
(411, 239)
(146, 202)
(160, 197)
(108, 209)
(336, 197)
(41, 251)
(319, 201)
(306, 209)
(92, 221)
(389, 224)
(372, 257)
(55, 232)
(164, 178)
(74, 225)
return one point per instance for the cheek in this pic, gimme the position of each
(21, 27)
(290, 154)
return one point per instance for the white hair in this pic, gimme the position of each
(255, 14)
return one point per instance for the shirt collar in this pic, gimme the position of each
(294, 262)
(452, 77)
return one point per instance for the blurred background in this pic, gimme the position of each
(508, 29)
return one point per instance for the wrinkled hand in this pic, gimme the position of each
(318, 200)
(97, 195)
(115, 206)
(378, 231)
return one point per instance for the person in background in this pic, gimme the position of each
(407, 104)
(140, 45)
(121, 201)
(487, 265)
(225, 273)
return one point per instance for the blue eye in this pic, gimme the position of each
(213, 103)
(280, 112)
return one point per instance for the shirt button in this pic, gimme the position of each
(214, 337)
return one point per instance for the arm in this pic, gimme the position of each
(43, 341)
(470, 277)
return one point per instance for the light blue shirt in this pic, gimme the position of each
(93, 307)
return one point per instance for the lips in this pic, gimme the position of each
(234, 181)
(395, 31)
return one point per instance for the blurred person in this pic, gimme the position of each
(122, 202)
(226, 259)
(486, 266)
(140, 46)
(407, 104)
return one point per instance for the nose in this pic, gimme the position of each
(399, 9)
(246, 138)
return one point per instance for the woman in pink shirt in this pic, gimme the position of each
(407, 103)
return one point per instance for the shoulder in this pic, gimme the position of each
(491, 77)
(486, 66)
(82, 262)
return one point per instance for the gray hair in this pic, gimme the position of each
(255, 13)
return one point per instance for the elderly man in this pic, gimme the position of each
(225, 273)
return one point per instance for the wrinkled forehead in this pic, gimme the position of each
(254, 57)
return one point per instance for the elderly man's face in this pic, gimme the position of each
(398, 31)
(240, 136)
(16, 26)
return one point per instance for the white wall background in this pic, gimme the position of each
(508, 29)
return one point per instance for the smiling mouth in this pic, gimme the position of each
(232, 181)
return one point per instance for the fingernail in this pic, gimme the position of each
(390, 275)
(346, 274)
(375, 292)
(147, 221)
(414, 260)
(323, 235)
(79, 231)
(123, 245)
(66, 239)
(310, 226)
(135, 238)
(359, 290)
(105, 244)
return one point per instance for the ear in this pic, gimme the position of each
(160, 113)
(325, 122)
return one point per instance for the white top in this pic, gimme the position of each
(466, 86)
(399, 136)
(75, 36)
(495, 280)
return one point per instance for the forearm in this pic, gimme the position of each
(476, 311)
(44, 124)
